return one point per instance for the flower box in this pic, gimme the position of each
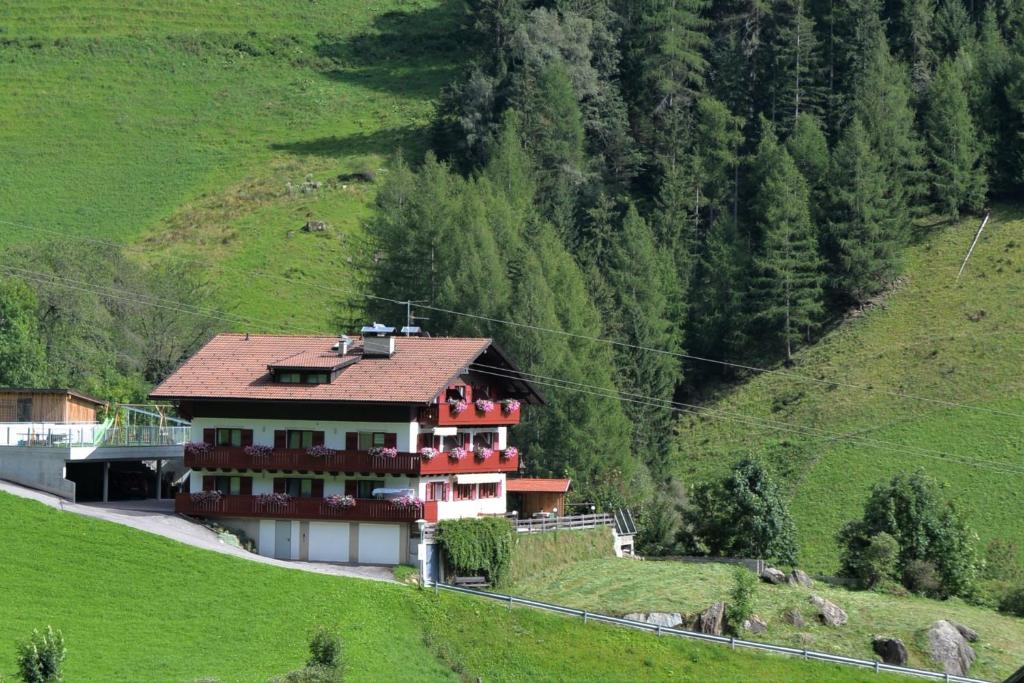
(340, 502)
(510, 406)
(509, 453)
(406, 502)
(384, 452)
(457, 453)
(457, 406)
(319, 451)
(482, 453)
(484, 405)
(257, 451)
(428, 453)
(206, 497)
(197, 449)
(273, 499)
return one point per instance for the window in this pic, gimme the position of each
(317, 378)
(485, 440)
(300, 438)
(299, 488)
(465, 491)
(455, 393)
(489, 490)
(365, 487)
(229, 437)
(289, 377)
(228, 486)
(481, 391)
(24, 410)
(435, 490)
(368, 440)
(450, 442)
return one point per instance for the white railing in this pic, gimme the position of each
(534, 524)
(877, 667)
(70, 434)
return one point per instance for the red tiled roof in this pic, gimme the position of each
(234, 366)
(314, 360)
(526, 485)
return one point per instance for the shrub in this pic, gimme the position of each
(324, 649)
(743, 515)
(484, 544)
(872, 561)
(1012, 601)
(41, 657)
(310, 674)
(926, 528)
(1002, 562)
(741, 598)
(921, 576)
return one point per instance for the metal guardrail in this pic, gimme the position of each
(810, 655)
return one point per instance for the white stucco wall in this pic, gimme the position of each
(38, 468)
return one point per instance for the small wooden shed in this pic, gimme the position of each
(529, 496)
(48, 405)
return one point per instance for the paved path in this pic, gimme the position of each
(157, 517)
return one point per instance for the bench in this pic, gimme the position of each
(471, 581)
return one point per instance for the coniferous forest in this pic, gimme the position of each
(719, 179)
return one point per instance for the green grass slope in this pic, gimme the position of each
(138, 607)
(178, 126)
(931, 337)
(621, 586)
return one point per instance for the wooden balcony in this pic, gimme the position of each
(352, 462)
(365, 510)
(444, 415)
(442, 464)
(297, 460)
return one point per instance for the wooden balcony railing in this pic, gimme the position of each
(365, 510)
(222, 457)
(444, 415)
(357, 462)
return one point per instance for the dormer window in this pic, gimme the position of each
(302, 377)
(289, 377)
(455, 393)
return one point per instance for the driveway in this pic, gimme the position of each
(157, 517)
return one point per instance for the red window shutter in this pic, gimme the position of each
(351, 441)
(430, 491)
(209, 482)
(391, 440)
(279, 485)
(497, 489)
(467, 440)
(318, 438)
(210, 436)
(246, 437)
(318, 488)
(494, 440)
(350, 488)
(245, 486)
(447, 491)
(280, 438)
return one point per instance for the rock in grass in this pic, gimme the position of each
(829, 612)
(969, 634)
(949, 648)
(773, 575)
(798, 577)
(711, 620)
(755, 624)
(665, 619)
(794, 617)
(891, 650)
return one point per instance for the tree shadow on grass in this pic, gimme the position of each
(385, 141)
(409, 53)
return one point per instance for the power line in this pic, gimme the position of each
(751, 368)
(660, 403)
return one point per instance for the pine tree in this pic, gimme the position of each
(863, 236)
(796, 65)
(786, 295)
(717, 322)
(809, 149)
(952, 30)
(956, 172)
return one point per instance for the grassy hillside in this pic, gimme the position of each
(178, 127)
(931, 337)
(620, 586)
(134, 606)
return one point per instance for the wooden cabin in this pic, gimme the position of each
(537, 496)
(48, 405)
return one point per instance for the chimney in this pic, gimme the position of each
(378, 340)
(343, 345)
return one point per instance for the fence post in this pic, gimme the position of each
(805, 653)
(732, 642)
(876, 667)
(584, 616)
(510, 603)
(659, 629)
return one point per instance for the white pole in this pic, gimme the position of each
(976, 236)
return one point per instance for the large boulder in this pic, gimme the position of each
(794, 617)
(798, 577)
(949, 648)
(755, 624)
(665, 619)
(969, 634)
(711, 620)
(891, 650)
(773, 575)
(829, 612)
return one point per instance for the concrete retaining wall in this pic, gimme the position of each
(38, 468)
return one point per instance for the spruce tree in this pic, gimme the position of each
(796, 65)
(956, 172)
(863, 237)
(809, 149)
(786, 294)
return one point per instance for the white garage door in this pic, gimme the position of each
(328, 542)
(379, 543)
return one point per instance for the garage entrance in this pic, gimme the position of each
(116, 480)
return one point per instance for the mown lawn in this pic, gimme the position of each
(931, 337)
(177, 127)
(620, 586)
(138, 607)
